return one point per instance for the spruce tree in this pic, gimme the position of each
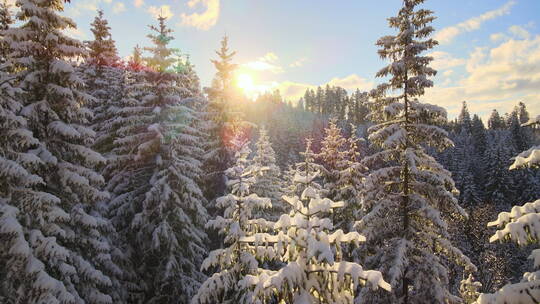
(520, 225)
(103, 77)
(234, 261)
(499, 187)
(222, 122)
(407, 191)
(341, 174)
(156, 176)
(307, 243)
(5, 22)
(495, 121)
(464, 119)
(268, 182)
(68, 257)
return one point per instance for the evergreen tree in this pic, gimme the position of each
(222, 124)
(478, 132)
(162, 59)
(518, 134)
(498, 187)
(523, 113)
(521, 226)
(464, 168)
(136, 62)
(341, 174)
(464, 118)
(407, 191)
(234, 262)
(495, 121)
(359, 113)
(268, 182)
(306, 241)
(102, 77)
(5, 22)
(155, 180)
(66, 257)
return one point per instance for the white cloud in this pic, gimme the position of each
(498, 37)
(138, 3)
(352, 82)
(497, 77)
(86, 6)
(447, 34)
(514, 31)
(266, 63)
(118, 7)
(444, 60)
(448, 73)
(519, 32)
(75, 33)
(157, 11)
(204, 20)
(298, 63)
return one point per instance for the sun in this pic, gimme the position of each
(245, 82)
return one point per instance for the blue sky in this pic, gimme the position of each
(489, 53)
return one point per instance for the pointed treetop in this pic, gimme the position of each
(102, 50)
(162, 56)
(223, 65)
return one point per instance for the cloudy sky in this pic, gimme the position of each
(489, 52)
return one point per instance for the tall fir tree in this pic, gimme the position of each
(520, 225)
(341, 174)
(305, 240)
(156, 177)
(67, 257)
(407, 191)
(495, 121)
(268, 180)
(234, 261)
(103, 76)
(221, 127)
(464, 119)
(6, 21)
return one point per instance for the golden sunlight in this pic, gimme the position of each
(245, 82)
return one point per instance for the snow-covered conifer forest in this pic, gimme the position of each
(126, 181)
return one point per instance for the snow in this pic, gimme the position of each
(529, 158)
(521, 224)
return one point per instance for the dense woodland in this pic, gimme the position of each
(126, 182)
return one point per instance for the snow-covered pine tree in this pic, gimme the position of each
(102, 74)
(495, 121)
(234, 262)
(342, 174)
(5, 22)
(136, 62)
(268, 180)
(162, 58)
(407, 191)
(464, 119)
(221, 121)
(522, 226)
(68, 257)
(190, 80)
(464, 164)
(16, 182)
(499, 186)
(157, 201)
(306, 241)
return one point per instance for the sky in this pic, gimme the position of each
(489, 51)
